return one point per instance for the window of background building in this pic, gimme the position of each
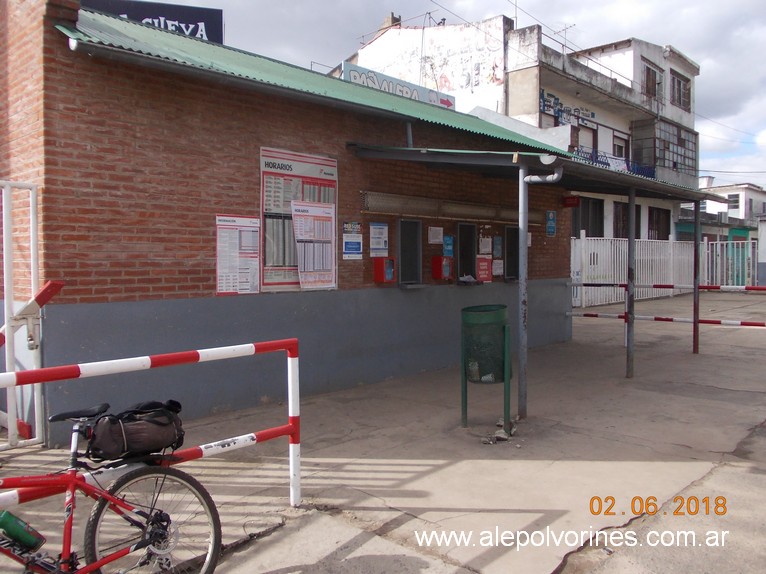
(651, 80)
(511, 252)
(659, 223)
(733, 201)
(410, 251)
(680, 91)
(467, 248)
(588, 141)
(676, 148)
(621, 212)
(619, 147)
(589, 215)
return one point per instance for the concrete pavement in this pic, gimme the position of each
(387, 464)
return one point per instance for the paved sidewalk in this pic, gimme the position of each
(385, 463)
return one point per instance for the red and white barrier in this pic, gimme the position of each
(623, 316)
(731, 288)
(291, 429)
(32, 307)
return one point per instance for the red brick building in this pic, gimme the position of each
(139, 139)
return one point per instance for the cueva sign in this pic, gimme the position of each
(202, 23)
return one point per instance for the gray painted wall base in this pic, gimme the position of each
(346, 338)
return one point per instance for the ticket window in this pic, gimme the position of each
(511, 252)
(410, 252)
(467, 247)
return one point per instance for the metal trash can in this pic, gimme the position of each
(483, 341)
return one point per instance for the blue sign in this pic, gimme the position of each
(550, 223)
(449, 246)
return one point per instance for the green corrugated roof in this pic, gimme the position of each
(143, 41)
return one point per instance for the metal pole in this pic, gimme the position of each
(463, 383)
(696, 312)
(10, 352)
(523, 303)
(630, 291)
(34, 257)
(507, 380)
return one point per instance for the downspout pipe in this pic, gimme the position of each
(524, 181)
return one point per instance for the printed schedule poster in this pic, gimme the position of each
(237, 254)
(288, 176)
(314, 227)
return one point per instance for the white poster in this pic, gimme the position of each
(288, 176)
(378, 240)
(314, 228)
(237, 254)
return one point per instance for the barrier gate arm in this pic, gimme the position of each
(291, 429)
(29, 314)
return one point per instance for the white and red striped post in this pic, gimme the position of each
(723, 288)
(661, 319)
(98, 368)
(31, 308)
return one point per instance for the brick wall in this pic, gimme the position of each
(21, 120)
(138, 162)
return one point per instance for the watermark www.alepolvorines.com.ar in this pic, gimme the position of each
(521, 539)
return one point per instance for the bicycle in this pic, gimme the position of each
(152, 518)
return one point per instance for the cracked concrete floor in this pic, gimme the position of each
(384, 465)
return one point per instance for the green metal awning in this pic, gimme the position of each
(579, 175)
(101, 34)
(112, 37)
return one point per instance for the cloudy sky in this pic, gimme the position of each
(727, 38)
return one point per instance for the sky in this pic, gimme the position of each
(726, 38)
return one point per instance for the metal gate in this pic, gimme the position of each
(731, 262)
(605, 260)
(21, 411)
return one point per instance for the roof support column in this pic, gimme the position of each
(630, 292)
(522, 303)
(525, 179)
(696, 311)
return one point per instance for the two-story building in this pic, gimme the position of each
(626, 106)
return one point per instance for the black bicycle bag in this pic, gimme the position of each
(144, 428)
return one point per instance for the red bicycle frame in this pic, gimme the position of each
(36, 487)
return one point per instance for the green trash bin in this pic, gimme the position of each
(485, 355)
(484, 345)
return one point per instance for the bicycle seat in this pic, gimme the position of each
(90, 413)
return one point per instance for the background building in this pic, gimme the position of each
(626, 106)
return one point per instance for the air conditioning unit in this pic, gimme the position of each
(723, 217)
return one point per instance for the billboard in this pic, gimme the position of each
(466, 61)
(202, 23)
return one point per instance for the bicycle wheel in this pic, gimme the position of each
(184, 526)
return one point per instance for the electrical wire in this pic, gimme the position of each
(567, 44)
(579, 49)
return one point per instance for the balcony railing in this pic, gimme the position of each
(613, 162)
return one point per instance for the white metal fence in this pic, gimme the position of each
(605, 260)
(731, 262)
